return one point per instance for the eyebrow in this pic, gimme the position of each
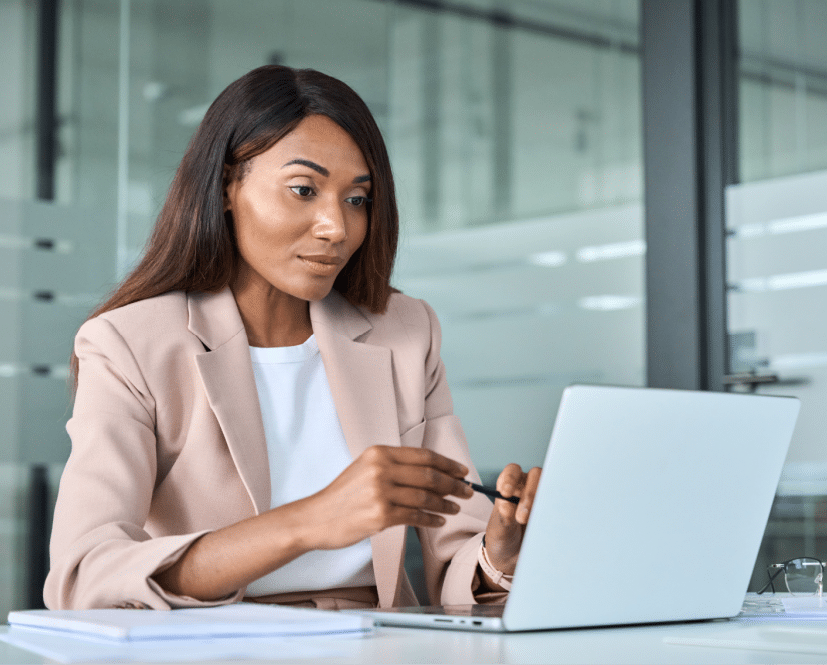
(321, 169)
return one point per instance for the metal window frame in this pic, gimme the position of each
(46, 121)
(690, 155)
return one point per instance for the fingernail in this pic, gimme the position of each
(508, 489)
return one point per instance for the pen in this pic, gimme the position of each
(482, 489)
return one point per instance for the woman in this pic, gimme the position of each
(258, 414)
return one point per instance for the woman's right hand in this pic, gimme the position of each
(385, 486)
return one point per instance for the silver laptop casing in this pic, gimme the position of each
(651, 508)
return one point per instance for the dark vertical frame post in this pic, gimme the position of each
(38, 546)
(46, 158)
(717, 132)
(46, 117)
(689, 119)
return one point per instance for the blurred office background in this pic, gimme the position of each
(598, 191)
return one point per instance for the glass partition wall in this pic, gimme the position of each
(777, 252)
(515, 142)
(514, 133)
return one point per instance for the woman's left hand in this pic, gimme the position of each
(504, 534)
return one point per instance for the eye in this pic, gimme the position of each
(303, 190)
(358, 201)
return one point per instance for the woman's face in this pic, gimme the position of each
(300, 210)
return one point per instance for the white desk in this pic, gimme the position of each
(786, 641)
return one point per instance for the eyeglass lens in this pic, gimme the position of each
(803, 576)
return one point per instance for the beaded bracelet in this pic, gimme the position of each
(497, 576)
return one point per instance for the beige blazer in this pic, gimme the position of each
(168, 442)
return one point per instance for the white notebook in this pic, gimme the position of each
(239, 620)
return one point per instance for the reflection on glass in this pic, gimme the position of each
(516, 146)
(517, 155)
(778, 295)
(777, 249)
(783, 94)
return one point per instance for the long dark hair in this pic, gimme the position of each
(192, 247)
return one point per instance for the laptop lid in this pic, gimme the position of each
(651, 507)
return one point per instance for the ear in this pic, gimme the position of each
(227, 180)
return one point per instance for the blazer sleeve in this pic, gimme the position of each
(450, 552)
(101, 555)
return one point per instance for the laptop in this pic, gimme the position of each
(651, 508)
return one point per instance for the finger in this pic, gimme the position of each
(510, 480)
(427, 458)
(509, 484)
(430, 479)
(420, 499)
(414, 517)
(529, 490)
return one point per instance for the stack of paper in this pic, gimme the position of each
(784, 606)
(245, 630)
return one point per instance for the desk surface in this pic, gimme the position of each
(777, 641)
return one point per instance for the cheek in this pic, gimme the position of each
(257, 231)
(360, 235)
(248, 237)
(258, 249)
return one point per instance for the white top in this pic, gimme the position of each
(306, 450)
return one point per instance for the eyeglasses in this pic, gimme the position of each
(802, 576)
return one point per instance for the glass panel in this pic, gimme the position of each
(514, 131)
(517, 157)
(88, 102)
(18, 36)
(17, 141)
(185, 52)
(522, 227)
(783, 87)
(777, 270)
(56, 257)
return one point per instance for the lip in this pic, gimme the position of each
(328, 259)
(322, 264)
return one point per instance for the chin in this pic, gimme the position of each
(314, 293)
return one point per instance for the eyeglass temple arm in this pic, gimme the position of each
(770, 583)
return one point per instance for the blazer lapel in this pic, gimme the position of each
(227, 373)
(361, 382)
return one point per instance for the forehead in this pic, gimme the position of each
(321, 140)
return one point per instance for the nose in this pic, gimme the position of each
(330, 223)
